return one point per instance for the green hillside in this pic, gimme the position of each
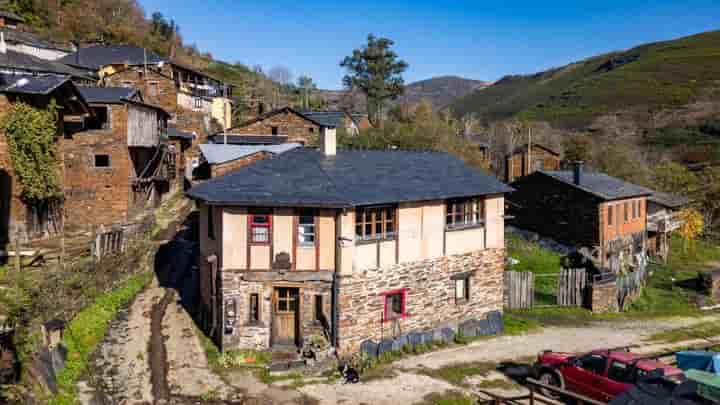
(642, 79)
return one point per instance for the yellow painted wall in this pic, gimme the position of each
(305, 258)
(260, 257)
(464, 241)
(328, 240)
(234, 238)
(495, 222)
(433, 229)
(282, 223)
(410, 231)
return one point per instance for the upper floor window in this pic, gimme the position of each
(627, 211)
(464, 212)
(153, 89)
(306, 228)
(274, 130)
(260, 225)
(610, 215)
(101, 119)
(372, 223)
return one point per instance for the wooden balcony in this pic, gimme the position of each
(664, 222)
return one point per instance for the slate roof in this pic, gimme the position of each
(523, 148)
(174, 133)
(109, 95)
(249, 139)
(303, 177)
(327, 118)
(601, 185)
(215, 153)
(21, 61)
(27, 38)
(276, 111)
(95, 57)
(22, 84)
(668, 199)
(10, 15)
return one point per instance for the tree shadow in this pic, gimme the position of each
(5, 199)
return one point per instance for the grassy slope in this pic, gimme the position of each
(670, 73)
(544, 263)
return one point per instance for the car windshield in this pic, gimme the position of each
(594, 363)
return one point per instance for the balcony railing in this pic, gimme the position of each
(663, 222)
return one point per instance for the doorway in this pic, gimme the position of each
(286, 313)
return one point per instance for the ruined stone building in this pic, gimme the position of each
(348, 246)
(117, 162)
(606, 215)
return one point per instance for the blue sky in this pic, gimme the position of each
(476, 39)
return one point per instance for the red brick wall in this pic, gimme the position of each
(166, 89)
(295, 127)
(227, 167)
(98, 195)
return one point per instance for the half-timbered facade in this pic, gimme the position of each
(347, 246)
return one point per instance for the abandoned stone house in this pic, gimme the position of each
(117, 162)
(347, 245)
(219, 159)
(603, 214)
(17, 218)
(277, 126)
(195, 100)
(523, 161)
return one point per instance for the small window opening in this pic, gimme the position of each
(102, 160)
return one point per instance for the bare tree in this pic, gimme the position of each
(280, 75)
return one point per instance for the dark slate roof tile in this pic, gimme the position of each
(249, 139)
(601, 185)
(27, 38)
(669, 200)
(304, 177)
(327, 118)
(21, 84)
(95, 57)
(110, 95)
(21, 61)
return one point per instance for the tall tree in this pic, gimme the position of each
(376, 70)
(306, 85)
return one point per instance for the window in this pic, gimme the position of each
(373, 223)
(395, 305)
(635, 210)
(274, 130)
(102, 160)
(627, 211)
(211, 223)
(306, 228)
(594, 363)
(100, 119)
(152, 89)
(311, 130)
(198, 102)
(610, 215)
(254, 308)
(619, 372)
(464, 212)
(260, 228)
(462, 289)
(319, 313)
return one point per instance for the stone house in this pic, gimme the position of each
(350, 123)
(19, 40)
(37, 91)
(219, 159)
(591, 210)
(523, 161)
(180, 143)
(283, 123)
(347, 245)
(117, 163)
(175, 87)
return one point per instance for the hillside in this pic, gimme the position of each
(642, 80)
(440, 91)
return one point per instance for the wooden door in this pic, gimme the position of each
(285, 323)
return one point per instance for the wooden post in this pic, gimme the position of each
(18, 265)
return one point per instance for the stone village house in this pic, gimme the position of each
(276, 126)
(523, 161)
(219, 159)
(348, 244)
(117, 163)
(603, 214)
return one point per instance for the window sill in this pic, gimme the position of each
(306, 245)
(461, 301)
(375, 240)
(452, 228)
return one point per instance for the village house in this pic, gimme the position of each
(350, 123)
(603, 214)
(16, 218)
(117, 162)
(280, 125)
(14, 62)
(348, 246)
(663, 218)
(180, 143)
(525, 160)
(191, 97)
(218, 159)
(17, 40)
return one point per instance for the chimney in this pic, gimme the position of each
(577, 172)
(3, 45)
(328, 141)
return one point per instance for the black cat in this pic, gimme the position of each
(350, 375)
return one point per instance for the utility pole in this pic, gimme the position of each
(530, 168)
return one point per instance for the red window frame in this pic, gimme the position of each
(386, 304)
(254, 225)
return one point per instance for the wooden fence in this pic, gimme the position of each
(630, 285)
(572, 287)
(115, 240)
(519, 290)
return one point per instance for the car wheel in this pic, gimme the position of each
(550, 378)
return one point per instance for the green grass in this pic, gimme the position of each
(515, 326)
(544, 263)
(87, 329)
(448, 398)
(456, 374)
(697, 331)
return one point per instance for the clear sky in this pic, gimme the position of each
(476, 39)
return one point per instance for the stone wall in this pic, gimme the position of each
(166, 95)
(295, 127)
(430, 296)
(604, 297)
(227, 167)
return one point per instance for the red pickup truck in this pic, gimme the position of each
(601, 374)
